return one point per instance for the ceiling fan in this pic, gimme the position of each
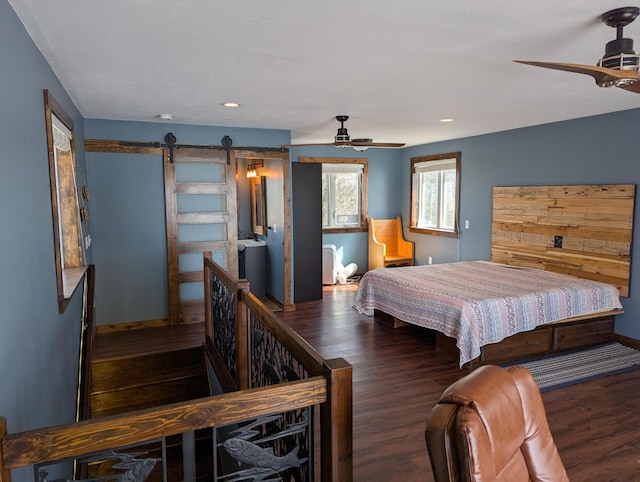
(342, 139)
(619, 65)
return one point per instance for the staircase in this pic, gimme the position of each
(145, 368)
(146, 380)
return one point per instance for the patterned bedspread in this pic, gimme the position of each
(477, 302)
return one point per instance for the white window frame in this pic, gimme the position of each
(439, 164)
(338, 164)
(331, 171)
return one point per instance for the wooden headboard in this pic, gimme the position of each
(583, 231)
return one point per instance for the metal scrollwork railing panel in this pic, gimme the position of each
(223, 307)
(275, 447)
(271, 362)
(135, 463)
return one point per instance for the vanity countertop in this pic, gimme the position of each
(250, 243)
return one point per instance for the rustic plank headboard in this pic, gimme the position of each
(583, 231)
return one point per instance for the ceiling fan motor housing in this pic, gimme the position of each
(619, 53)
(342, 135)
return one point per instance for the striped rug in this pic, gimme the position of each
(576, 367)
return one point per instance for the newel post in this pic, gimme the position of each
(243, 354)
(336, 421)
(208, 321)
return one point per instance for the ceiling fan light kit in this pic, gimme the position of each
(619, 67)
(361, 145)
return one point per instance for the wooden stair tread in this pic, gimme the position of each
(122, 344)
(128, 399)
(136, 370)
(145, 368)
(172, 374)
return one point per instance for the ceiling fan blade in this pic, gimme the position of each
(600, 74)
(312, 144)
(343, 139)
(348, 144)
(376, 144)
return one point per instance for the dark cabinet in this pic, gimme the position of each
(252, 262)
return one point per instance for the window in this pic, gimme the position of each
(67, 232)
(344, 194)
(341, 195)
(435, 188)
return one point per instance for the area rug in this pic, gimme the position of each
(580, 366)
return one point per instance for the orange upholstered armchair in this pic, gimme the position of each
(387, 246)
(491, 426)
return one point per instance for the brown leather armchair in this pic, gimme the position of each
(491, 426)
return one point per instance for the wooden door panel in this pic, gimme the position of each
(200, 196)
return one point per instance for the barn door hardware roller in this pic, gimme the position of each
(227, 143)
(170, 140)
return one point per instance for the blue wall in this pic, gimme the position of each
(385, 183)
(594, 150)
(38, 347)
(128, 220)
(129, 236)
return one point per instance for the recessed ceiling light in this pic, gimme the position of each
(231, 104)
(448, 119)
(166, 117)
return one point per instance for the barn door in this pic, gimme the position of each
(201, 209)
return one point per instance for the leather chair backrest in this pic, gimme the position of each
(491, 426)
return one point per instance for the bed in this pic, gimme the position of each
(560, 259)
(478, 303)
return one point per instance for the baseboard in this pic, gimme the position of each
(275, 301)
(625, 340)
(130, 326)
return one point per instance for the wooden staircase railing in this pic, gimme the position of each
(237, 323)
(86, 437)
(253, 400)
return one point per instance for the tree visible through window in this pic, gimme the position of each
(344, 193)
(435, 193)
(341, 195)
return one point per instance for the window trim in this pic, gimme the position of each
(413, 204)
(364, 191)
(67, 279)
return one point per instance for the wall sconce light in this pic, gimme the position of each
(251, 168)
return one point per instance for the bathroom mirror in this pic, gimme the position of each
(258, 205)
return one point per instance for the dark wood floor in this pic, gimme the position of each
(398, 377)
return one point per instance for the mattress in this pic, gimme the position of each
(478, 302)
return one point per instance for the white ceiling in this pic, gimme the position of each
(395, 67)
